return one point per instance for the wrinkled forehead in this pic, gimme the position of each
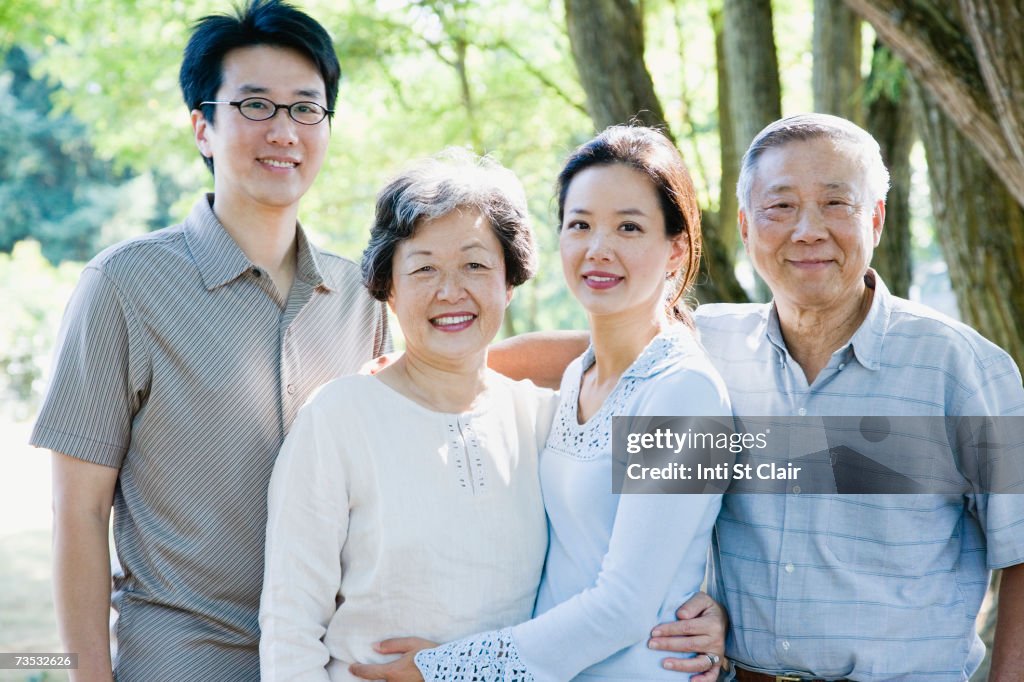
(815, 164)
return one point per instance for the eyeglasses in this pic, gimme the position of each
(262, 109)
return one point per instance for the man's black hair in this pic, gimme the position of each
(258, 22)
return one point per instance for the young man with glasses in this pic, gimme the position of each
(183, 357)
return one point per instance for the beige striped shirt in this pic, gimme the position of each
(176, 364)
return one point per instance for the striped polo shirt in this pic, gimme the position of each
(865, 587)
(177, 365)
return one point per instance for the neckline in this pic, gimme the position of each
(482, 403)
(588, 359)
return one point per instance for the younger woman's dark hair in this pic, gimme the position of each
(648, 151)
(258, 22)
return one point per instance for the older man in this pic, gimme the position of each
(875, 587)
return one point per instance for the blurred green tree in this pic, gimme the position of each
(53, 187)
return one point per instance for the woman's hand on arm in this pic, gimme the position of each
(402, 669)
(700, 628)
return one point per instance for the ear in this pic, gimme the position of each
(201, 129)
(509, 292)
(878, 220)
(742, 219)
(680, 250)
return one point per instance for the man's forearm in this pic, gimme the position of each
(81, 579)
(540, 357)
(1008, 652)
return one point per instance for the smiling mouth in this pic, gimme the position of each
(810, 263)
(273, 163)
(453, 322)
(601, 281)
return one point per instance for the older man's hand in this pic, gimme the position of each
(700, 630)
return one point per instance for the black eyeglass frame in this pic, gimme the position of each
(277, 107)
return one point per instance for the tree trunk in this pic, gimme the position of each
(890, 121)
(606, 37)
(607, 41)
(996, 28)
(836, 75)
(730, 156)
(754, 92)
(944, 47)
(755, 98)
(980, 228)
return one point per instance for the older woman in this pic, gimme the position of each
(387, 498)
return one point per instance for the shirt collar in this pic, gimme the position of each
(866, 342)
(220, 260)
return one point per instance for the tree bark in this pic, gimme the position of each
(606, 37)
(836, 77)
(944, 46)
(755, 98)
(980, 228)
(607, 41)
(754, 92)
(890, 121)
(996, 28)
(729, 155)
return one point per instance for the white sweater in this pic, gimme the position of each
(387, 519)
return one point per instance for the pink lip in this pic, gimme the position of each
(608, 280)
(453, 327)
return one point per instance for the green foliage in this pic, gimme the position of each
(28, 330)
(887, 77)
(496, 76)
(53, 187)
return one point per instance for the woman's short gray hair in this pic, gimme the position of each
(455, 179)
(803, 127)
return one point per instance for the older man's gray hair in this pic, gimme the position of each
(453, 180)
(802, 127)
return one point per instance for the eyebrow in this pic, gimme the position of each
(843, 186)
(621, 211)
(426, 252)
(249, 89)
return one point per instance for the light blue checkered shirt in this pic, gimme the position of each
(865, 587)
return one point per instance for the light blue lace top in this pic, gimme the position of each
(616, 565)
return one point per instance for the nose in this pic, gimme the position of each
(810, 226)
(282, 130)
(598, 247)
(451, 288)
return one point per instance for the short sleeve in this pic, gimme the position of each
(98, 379)
(999, 394)
(1002, 518)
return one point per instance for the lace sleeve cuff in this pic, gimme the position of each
(487, 657)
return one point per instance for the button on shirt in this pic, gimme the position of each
(178, 364)
(867, 587)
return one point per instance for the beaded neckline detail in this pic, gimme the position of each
(588, 441)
